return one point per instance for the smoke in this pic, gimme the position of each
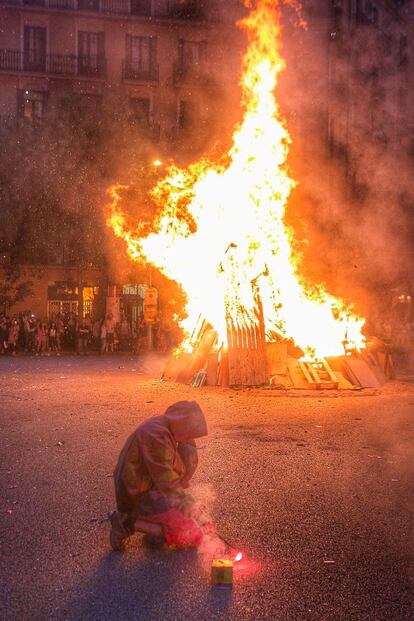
(54, 173)
(211, 545)
(346, 101)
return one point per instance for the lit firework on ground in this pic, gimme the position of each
(220, 230)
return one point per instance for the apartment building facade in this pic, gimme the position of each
(164, 55)
(163, 59)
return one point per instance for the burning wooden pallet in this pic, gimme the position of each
(247, 354)
(243, 363)
(319, 375)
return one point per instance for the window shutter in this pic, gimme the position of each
(81, 43)
(42, 41)
(153, 51)
(128, 47)
(101, 45)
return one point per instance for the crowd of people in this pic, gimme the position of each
(71, 333)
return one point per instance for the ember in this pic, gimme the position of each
(220, 227)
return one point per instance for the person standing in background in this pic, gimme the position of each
(110, 332)
(82, 338)
(60, 330)
(13, 336)
(53, 338)
(41, 338)
(102, 338)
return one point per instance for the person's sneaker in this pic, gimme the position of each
(119, 534)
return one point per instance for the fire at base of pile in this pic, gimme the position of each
(249, 359)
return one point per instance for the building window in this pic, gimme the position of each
(186, 9)
(141, 7)
(187, 115)
(191, 53)
(34, 2)
(141, 111)
(34, 47)
(88, 5)
(31, 104)
(141, 54)
(91, 48)
(366, 12)
(190, 59)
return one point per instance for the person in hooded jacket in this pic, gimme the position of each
(153, 471)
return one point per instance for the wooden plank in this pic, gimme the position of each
(224, 369)
(276, 354)
(264, 375)
(212, 369)
(233, 362)
(360, 370)
(200, 354)
(247, 373)
(329, 370)
(343, 383)
(297, 376)
(386, 363)
(313, 372)
(372, 360)
(310, 380)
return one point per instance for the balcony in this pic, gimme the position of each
(131, 70)
(15, 61)
(192, 10)
(59, 4)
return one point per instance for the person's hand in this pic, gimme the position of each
(186, 505)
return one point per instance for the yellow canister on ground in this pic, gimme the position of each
(222, 573)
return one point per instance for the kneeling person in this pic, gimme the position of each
(154, 469)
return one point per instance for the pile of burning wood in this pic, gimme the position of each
(249, 359)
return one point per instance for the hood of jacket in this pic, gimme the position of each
(186, 421)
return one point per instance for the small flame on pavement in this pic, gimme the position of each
(238, 557)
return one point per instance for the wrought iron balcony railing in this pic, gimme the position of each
(192, 10)
(194, 75)
(132, 70)
(54, 64)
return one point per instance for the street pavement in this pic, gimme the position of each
(316, 489)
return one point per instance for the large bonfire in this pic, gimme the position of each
(220, 231)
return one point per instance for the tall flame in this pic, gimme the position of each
(220, 230)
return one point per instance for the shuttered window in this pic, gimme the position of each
(91, 53)
(141, 52)
(141, 7)
(34, 41)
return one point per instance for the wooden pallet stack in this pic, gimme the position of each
(242, 363)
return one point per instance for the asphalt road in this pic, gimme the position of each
(316, 490)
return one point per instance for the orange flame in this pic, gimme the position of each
(220, 231)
